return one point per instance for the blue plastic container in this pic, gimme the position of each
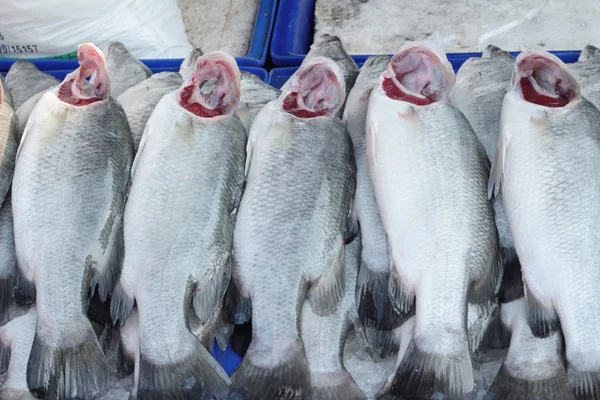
(257, 53)
(294, 31)
(61, 73)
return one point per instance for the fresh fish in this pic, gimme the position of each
(587, 72)
(429, 172)
(375, 310)
(139, 101)
(24, 80)
(4, 92)
(124, 69)
(533, 368)
(68, 197)
(331, 47)
(16, 339)
(324, 338)
(188, 174)
(8, 144)
(255, 94)
(548, 167)
(188, 66)
(290, 228)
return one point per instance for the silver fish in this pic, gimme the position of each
(324, 338)
(68, 197)
(188, 174)
(587, 72)
(429, 172)
(255, 94)
(8, 144)
(547, 165)
(16, 340)
(290, 228)
(330, 46)
(375, 310)
(124, 69)
(24, 80)
(139, 101)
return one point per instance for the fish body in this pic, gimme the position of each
(547, 168)
(8, 144)
(188, 174)
(68, 196)
(290, 229)
(24, 80)
(124, 69)
(429, 174)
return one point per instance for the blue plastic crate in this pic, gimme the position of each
(294, 31)
(61, 73)
(257, 53)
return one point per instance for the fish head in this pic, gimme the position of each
(189, 63)
(316, 89)
(90, 82)
(331, 46)
(21, 66)
(420, 74)
(589, 52)
(116, 53)
(213, 87)
(541, 78)
(375, 63)
(492, 51)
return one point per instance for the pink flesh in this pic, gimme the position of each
(538, 70)
(415, 76)
(75, 90)
(313, 94)
(225, 93)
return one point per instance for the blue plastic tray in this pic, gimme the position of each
(61, 73)
(294, 31)
(257, 54)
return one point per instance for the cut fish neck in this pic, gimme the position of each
(317, 90)
(544, 80)
(418, 75)
(214, 86)
(76, 89)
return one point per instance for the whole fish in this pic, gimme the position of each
(8, 144)
(290, 228)
(68, 197)
(24, 80)
(375, 310)
(188, 174)
(324, 338)
(533, 368)
(548, 167)
(124, 69)
(139, 101)
(16, 339)
(429, 172)
(330, 46)
(255, 94)
(587, 72)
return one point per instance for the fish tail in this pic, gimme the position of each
(585, 384)
(290, 380)
(375, 310)
(335, 385)
(67, 365)
(194, 374)
(426, 375)
(508, 386)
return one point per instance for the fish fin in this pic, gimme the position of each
(402, 299)
(122, 302)
(484, 292)
(335, 385)
(511, 288)
(208, 293)
(5, 340)
(195, 376)
(140, 151)
(497, 170)
(585, 385)
(237, 308)
(7, 298)
(496, 335)
(375, 310)
(589, 52)
(422, 375)
(68, 369)
(326, 292)
(506, 386)
(290, 380)
(241, 338)
(106, 274)
(543, 322)
(23, 288)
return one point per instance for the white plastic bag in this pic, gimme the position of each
(54, 28)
